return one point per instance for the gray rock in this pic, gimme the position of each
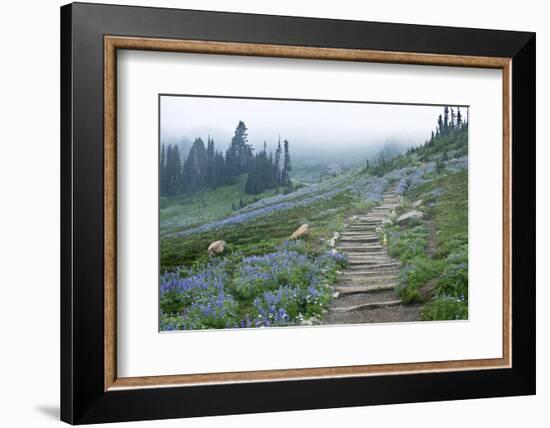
(417, 203)
(411, 215)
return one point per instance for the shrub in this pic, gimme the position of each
(406, 244)
(445, 308)
(416, 273)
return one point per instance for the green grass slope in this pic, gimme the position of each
(205, 206)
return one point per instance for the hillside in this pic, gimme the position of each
(263, 279)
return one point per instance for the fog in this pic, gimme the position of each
(313, 128)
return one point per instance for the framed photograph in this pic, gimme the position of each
(265, 213)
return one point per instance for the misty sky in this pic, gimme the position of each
(318, 126)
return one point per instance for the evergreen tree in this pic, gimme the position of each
(172, 170)
(277, 162)
(285, 174)
(220, 173)
(162, 172)
(239, 155)
(210, 159)
(453, 119)
(445, 121)
(195, 167)
(261, 175)
(440, 125)
(252, 181)
(458, 118)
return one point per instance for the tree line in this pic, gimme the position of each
(450, 125)
(450, 122)
(205, 167)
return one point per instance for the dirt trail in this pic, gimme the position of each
(366, 287)
(432, 239)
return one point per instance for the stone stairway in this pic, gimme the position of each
(366, 288)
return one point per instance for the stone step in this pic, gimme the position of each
(371, 273)
(354, 259)
(376, 277)
(363, 229)
(369, 252)
(357, 240)
(367, 306)
(368, 246)
(352, 249)
(368, 264)
(373, 253)
(365, 265)
(361, 253)
(358, 289)
(365, 224)
(374, 265)
(370, 270)
(365, 252)
(358, 228)
(368, 257)
(359, 234)
(368, 282)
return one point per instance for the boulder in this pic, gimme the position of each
(216, 248)
(417, 203)
(411, 215)
(301, 232)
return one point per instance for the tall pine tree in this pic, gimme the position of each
(453, 119)
(210, 155)
(173, 170)
(285, 174)
(195, 168)
(162, 170)
(445, 121)
(277, 162)
(440, 130)
(239, 155)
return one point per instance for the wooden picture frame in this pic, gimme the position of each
(91, 390)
